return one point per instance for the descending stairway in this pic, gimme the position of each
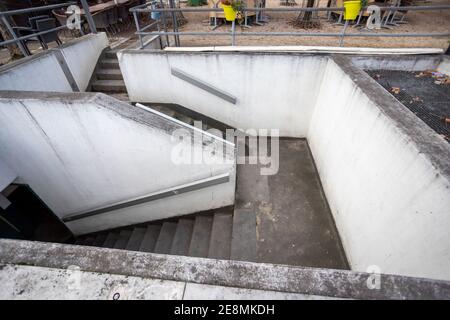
(108, 77)
(220, 235)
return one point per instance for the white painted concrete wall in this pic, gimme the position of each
(82, 56)
(272, 91)
(81, 154)
(6, 175)
(38, 73)
(390, 203)
(43, 72)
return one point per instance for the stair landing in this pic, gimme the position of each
(294, 223)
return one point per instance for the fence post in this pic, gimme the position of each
(89, 18)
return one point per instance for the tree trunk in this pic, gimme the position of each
(305, 19)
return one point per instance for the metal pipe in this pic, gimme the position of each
(341, 41)
(174, 23)
(293, 9)
(88, 15)
(233, 33)
(317, 34)
(15, 38)
(31, 36)
(139, 31)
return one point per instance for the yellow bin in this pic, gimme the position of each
(228, 11)
(352, 9)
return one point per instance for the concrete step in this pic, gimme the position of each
(111, 240)
(117, 86)
(201, 234)
(99, 240)
(111, 54)
(136, 239)
(164, 243)
(109, 64)
(124, 237)
(109, 74)
(221, 232)
(243, 243)
(182, 237)
(151, 236)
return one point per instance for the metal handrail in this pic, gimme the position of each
(184, 188)
(341, 35)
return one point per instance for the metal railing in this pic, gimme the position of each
(141, 32)
(19, 40)
(180, 189)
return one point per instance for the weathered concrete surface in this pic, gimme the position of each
(259, 276)
(294, 223)
(43, 71)
(39, 283)
(195, 291)
(444, 66)
(385, 173)
(248, 77)
(82, 151)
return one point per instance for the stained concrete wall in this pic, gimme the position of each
(81, 152)
(43, 72)
(386, 176)
(6, 175)
(272, 90)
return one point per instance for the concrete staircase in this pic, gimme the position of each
(219, 235)
(108, 78)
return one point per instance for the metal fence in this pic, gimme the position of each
(19, 40)
(142, 30)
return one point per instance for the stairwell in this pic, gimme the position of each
(219, 235)
(108, 78)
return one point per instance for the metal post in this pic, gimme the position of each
(164, 22)
(174, 23)
(341, 41)
(88, 14)
(138, 28)
(233, 33)
(13, 34)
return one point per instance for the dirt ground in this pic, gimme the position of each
(425, 21)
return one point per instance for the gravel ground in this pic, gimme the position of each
(426, 21)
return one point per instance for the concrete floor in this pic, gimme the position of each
(294, 222)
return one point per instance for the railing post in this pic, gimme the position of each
(138, 28)
(89, 18)
(175, 24)
(13, 34)
(341, 41)
(233, 33)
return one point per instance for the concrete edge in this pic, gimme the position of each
(44, 53)
(123, 109)
(309, 49)
(425, 139)
(262, 276)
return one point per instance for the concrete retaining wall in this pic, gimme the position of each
(6, 175)
(81, 152)
(386, 176)
(44, 72)
(272, 90)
